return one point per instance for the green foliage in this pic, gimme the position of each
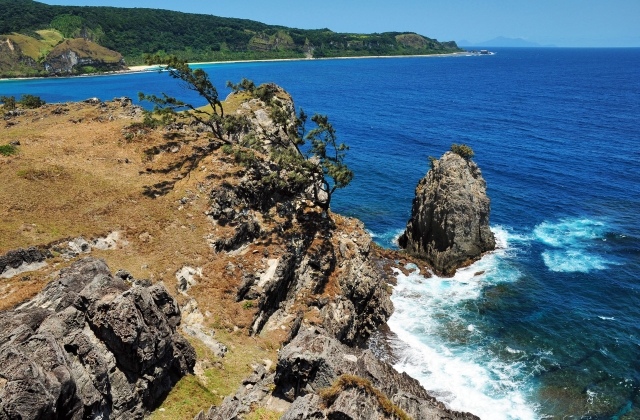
(148, 120)
(330, 154)
(432, 161)
(233, 124)
(244, 157)
(197, 80)
(462, 150)
(67, 24)
(247, 304)
(266, 92)
(8, 103)
(31, 101)
(199, 37)
(325, 158)
(8, 150)
(244, 85)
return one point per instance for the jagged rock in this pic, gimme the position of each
(254, 391)
(314, 361)
(20, 260)
(87, 346)
(245, 232)
(449, 222)
(259, 125)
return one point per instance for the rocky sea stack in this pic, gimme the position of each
(449, 223)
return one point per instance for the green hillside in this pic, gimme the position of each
(196, 37)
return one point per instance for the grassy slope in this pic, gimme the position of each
(35, 48)
(87, 49)
(69, 178)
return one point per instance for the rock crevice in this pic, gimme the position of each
(88, 346)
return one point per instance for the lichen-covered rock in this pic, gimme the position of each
(449, 223)
(88, 346)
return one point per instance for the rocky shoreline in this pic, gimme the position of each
(113, 346)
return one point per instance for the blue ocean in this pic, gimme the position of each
(548, 325)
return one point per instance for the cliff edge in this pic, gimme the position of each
(449, 223)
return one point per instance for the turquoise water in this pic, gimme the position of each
(551, 326)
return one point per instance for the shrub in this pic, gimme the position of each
(462, 150)
(31, 101)
(8, 150)
(432, 161)
(248, 304)
(9, 102)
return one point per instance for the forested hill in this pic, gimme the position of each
(198, 37)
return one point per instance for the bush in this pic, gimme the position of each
(432, 161)
(462, 150)
(9, 102)
(8, 150)
(31, 101)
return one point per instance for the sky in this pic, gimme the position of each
(564, 23)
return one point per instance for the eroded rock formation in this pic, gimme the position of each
(314, 362)
(449, 223)
(90, 346)
(72, 54)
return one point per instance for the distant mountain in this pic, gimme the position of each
(502, 41)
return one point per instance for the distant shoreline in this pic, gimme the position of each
(147, 68)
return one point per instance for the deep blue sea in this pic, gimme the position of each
(551, 328)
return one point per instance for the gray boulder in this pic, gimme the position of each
(88, 346)
(449, 223)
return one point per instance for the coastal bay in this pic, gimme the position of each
(550, 327)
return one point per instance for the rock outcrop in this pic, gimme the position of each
(324, 379)
(449, 223)
(90, 346)
(72, 55)
(316, 255)
(20, 260)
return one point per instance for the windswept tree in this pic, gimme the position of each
(167, 107)
(328, 154)
(323, 163)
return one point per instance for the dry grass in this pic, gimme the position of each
(221, 376)
(87, 49)
(29, 46)
(50, 37)
(76, 174)
(35, 48)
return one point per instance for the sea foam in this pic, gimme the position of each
(575, 245)
(439, 348)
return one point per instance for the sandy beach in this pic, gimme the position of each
(147, 68)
